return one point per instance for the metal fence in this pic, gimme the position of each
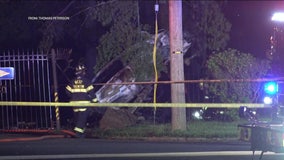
(32, 82)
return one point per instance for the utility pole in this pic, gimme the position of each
(177, 69)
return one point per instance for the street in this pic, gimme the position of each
(70, 148)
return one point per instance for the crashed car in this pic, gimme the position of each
(110, 81)
(117, 92)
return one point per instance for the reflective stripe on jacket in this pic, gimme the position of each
(79, 109)
(81, 89)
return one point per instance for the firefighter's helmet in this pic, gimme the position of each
(80, 69)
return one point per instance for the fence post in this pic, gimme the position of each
(55, 83)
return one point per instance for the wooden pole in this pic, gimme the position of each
(176, 68)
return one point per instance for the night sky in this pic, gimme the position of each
(251, 24)
(250, 32)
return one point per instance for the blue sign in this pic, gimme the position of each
(6, 73)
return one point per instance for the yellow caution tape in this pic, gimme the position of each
(161, 105)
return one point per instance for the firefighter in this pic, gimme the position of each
(81, 91)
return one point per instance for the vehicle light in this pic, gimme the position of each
(282, 140)
(197, 114)
(267, 100)
(271, 88)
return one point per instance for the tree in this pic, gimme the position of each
(124, 38)
(208, 27)
(232, 64)
(208, 31)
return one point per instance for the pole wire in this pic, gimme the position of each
(155, 60)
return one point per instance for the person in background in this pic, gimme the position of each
(81, 90)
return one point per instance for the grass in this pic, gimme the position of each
(195, 129)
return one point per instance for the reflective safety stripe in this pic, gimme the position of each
(80, 130)
(79, 109)
(80, 102)
(95, 100)
(90, 88)
(79, 90)
(69, 88)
